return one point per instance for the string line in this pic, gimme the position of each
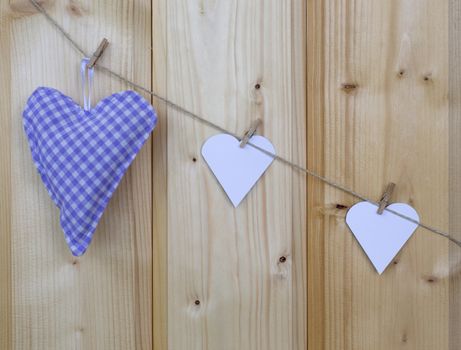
(223, 130)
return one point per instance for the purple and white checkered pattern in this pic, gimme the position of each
(82, 155)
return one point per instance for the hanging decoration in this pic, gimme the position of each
(237, 168)
(381, 235)
(82, 154)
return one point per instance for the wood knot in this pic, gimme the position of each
(334, 210)
(427, 77)
(21, 8)
(256, 93)
(404, 338)
(75, 9)
(197, 302)
(349, 87)
(431, 279)
(401, 73)
(283, 259)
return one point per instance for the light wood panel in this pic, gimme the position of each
(455, 170)
(316, 307)
(377, 95)
(102, 300)
(227, 288)
(160, 179)
(378, 112)
(5, 178)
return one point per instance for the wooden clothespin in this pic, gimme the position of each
(250, 132)
(384, 201)
(98, 53)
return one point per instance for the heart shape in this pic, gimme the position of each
(82, 155)
(237, 169)
(381, 236)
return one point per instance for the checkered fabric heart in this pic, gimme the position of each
(82, 155)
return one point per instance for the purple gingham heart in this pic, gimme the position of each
(82, 155)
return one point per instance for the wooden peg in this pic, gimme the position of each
(98, 53)
(250, 132)
(384, 201)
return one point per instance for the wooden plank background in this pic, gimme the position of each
(355, 89)
(225, 259)
(378, 112)
(103, 299)
(454, 170)
(5, 192)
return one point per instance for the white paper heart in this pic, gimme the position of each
(237, 169)
(381, 236)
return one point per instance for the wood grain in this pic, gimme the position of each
(227, 287)
(378, 112)
(173, 265)
(455, 171)
(102, 300)
(5, 178)
(316, 307)
(160, 179)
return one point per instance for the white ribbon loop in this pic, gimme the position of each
(87, 83)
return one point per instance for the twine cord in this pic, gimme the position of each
(223, 130)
